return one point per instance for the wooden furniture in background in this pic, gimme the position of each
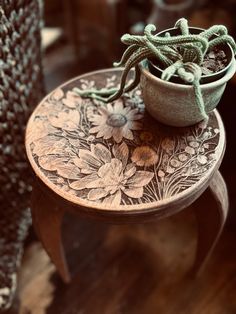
(116, 164)
(95, 28)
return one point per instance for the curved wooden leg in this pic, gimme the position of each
(47, 219)
(211, 212)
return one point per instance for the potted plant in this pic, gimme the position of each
(171, 67)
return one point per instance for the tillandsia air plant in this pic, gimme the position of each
(180, 55)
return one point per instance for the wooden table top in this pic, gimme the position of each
(115, 157)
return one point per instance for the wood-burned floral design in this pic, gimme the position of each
(115, 121)
(114, 154)
(109, 174)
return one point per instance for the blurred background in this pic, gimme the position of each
(85, 35)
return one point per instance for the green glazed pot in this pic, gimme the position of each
(174, 104)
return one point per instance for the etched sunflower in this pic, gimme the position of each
(144, 156)
(115, 121)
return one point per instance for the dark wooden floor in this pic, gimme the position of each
(137, 269)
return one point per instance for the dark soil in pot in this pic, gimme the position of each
(216, 62)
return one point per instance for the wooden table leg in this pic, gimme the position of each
(47, 220)
(211, 212)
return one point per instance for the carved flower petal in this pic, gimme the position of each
(110, 171)
(67, 120)
(109, 110)
(101, 152)
(134, 114)
(105, 170)
(74, 142)
(113, 200)
(73, 95)
(134, 125)
(102, 112)
(97, 183)
(50, 145)
(116, 167)
(89, 158)
(51, 162)
(58, 94)
(97, 119)
(85, 169)
(134, 192)
(118, 106)
(129, 170)
(40, 130)
(68, 171)
(121, 152)
(107, 130)
(117, 134)
(96, 194)
(102, 130)
(95, 129)
(74, 116)
(141, 178)
(127, 133)
(84, 182)
(70, 103)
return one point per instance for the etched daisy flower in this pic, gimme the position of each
(144, 156)
(115, 121)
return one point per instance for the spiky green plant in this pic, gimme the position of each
(182, 55)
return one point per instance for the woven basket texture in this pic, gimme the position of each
(21, 88)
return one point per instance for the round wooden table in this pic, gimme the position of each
(116, 163)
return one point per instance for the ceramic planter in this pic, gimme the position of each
(173, 103)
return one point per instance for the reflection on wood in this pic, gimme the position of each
(35, 289)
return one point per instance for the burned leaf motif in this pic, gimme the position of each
(72, 100)
(66, 120)
(40, 130)
(51, 162)
(49, 145)
(61, 165)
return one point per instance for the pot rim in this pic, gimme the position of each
(205, 76)
(228, 75)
